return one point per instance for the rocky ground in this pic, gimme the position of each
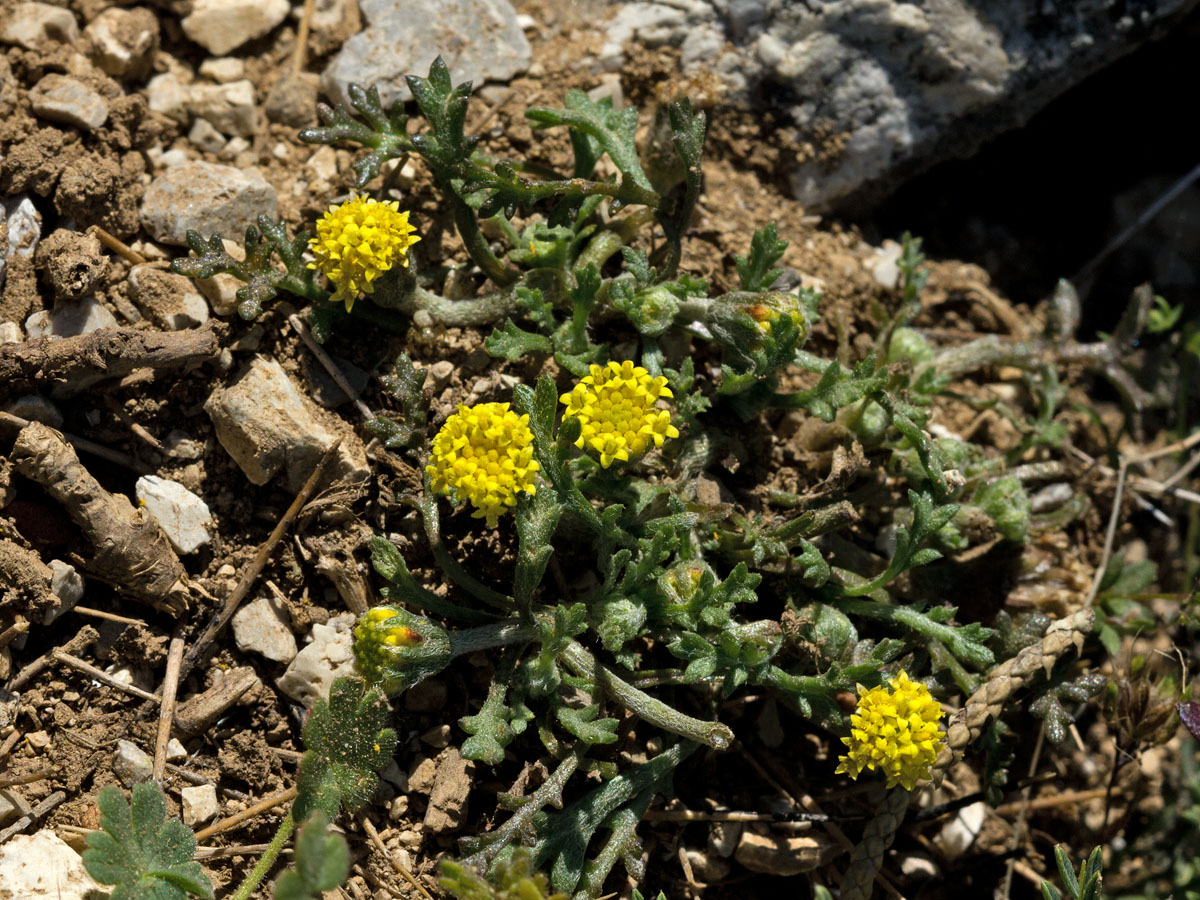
(124, 127)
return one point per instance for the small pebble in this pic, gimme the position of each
(38, 740)
(123, 42)
(37, 26)
(223, 25)
(223, 69)
(183, 516)
(132, 764)
(70, 318)
(262, 626)
(199, 803)
(58, 98)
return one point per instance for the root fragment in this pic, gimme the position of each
(129, 549)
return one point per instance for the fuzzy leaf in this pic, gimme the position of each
(346, 744)
(584, 724)
(322, 862)
(765, 250)
(144, 854)
(512, 342)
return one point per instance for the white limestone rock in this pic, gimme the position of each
(199, 804)
(168, 95)
(183, 517)
(122, 42)
(37, 26)
(262, 627)
(229, 108)
(223, 25)
(223, 69)
(60, 98)
(70, 318)
(207, 198)
(41, 866)
(267, 426)
(24, 224)
(132, 764)
(67, 585)
(329, 656)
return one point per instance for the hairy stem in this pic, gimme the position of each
(712, 734)
(263, 866)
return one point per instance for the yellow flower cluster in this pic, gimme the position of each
(484, 454)
(615, 405)
(895, 731)
(359, 240)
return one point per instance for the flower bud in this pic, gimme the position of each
(395, 649)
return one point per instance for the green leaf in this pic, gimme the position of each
(512, 342)
(1067, 872)
(346, 744)
(386, 134)
(584, 724)
(614, 130)
(765, 250)
(321, 864)
(144, 854)
(496, 723)
(537, 519)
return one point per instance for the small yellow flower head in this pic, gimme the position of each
(615, 405)
(359, 240)
(895, 731)
(484, 454)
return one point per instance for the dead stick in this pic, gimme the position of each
(249, 813)
(34, 814)
(7, 781)
(75, 363)
(100, 675)
(202, 645)
(9, 743)
(166, 708)
(86, 636)
(331, 367)
(1065, 799)
(117, 246)
(401, 870)
(302, 38)
(101, 614)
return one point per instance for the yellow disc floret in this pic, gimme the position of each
(484, 454)
(615, 406)
(359, 240)
(895, 731)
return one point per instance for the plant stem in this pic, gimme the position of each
(488, 637)
(712, 734)
(263, 866)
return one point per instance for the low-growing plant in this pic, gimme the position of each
(676, 601)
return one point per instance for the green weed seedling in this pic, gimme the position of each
(148, 857)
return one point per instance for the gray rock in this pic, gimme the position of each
(199, 803)
(132, 764)
(293, 100)
(328, 657)
(122, 42)
(168, 95)
(229, 108)
(171, 300)
(183, 516)
(42, 867)
(481, 40)
(881, 90)
(59, 98)
(223, 69)
(206, 197)
(205, 137)
(70, 318)
(67, 585)
(262, 627)
(38, 25)
(267, 426)
(24, 226)
(222, 25)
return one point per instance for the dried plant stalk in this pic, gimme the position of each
(1005, 680)
(867, 857)
(130, 550)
